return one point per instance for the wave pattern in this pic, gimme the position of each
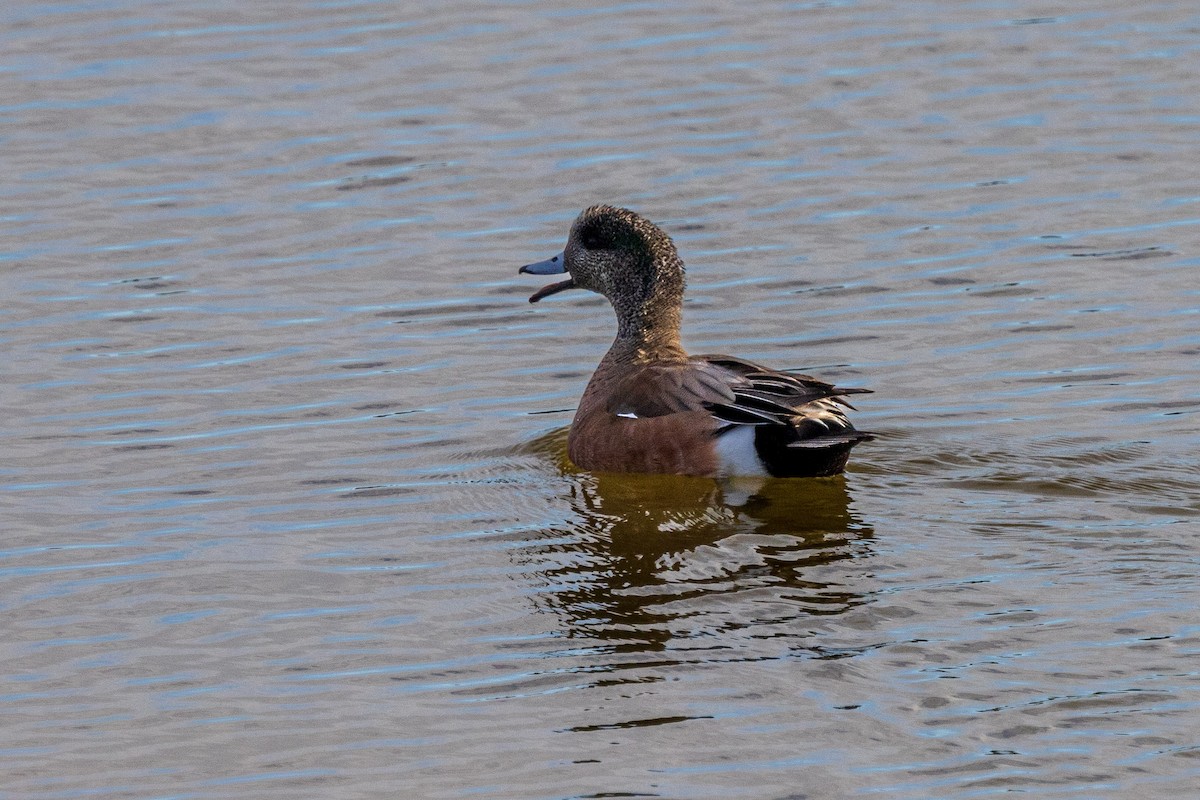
(284, 492)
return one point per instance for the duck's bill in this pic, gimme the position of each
(555, 265)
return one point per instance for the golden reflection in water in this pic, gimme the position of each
(650, 560)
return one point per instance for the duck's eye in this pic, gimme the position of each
(589, 239)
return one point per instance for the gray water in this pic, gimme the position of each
(285, 506)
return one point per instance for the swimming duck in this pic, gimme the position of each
(650, 407)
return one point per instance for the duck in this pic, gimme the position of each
(650, 407)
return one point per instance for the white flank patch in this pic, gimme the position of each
(736, 453)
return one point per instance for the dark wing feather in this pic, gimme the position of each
(800, 422)
(735, 391)
(765, 396)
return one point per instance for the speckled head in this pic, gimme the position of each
(625, 257)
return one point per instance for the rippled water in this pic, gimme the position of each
(285, 503)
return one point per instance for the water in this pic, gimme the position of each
(285, 506)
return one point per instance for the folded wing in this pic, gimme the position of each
(739, 392)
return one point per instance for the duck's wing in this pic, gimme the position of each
(735, 391)
(656, 390)
(812, 438)
(765, 396)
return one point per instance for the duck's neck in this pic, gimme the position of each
(649, 332)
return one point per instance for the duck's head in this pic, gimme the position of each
(621, 255)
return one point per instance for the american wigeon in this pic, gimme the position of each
(650, 407)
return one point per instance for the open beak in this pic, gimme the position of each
(555, 265)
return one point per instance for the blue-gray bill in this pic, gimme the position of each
(555, 265)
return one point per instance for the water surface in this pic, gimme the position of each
(285, 505)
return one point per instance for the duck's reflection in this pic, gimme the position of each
(657, 559)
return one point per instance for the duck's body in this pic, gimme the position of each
(650, 407)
